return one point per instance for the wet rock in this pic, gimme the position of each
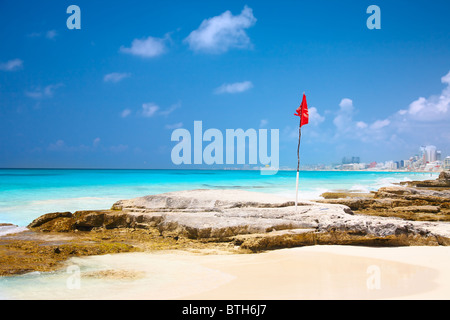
(49, 217)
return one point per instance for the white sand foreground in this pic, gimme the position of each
(316, 272)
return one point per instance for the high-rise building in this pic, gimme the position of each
(422, 154)
(349, 160)
(447, 163)
(431, 153)
(438, 155)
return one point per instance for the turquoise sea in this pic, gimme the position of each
(28, 193)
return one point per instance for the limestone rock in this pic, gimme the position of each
(260, 220)
(203, 200)
(444, 175)
(48, 217)
(409, 201)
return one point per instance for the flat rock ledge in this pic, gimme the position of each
(249, 220)
(413, 200)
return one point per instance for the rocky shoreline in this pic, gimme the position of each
(427, 200)
(230, 221)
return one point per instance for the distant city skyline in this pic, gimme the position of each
(110, 93)
(428, 158)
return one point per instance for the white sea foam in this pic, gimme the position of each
(360, 188)
(4, 230)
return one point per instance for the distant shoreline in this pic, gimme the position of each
(227, 169)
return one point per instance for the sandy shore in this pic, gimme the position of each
(315, 272)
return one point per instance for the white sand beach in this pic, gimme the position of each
(315, 272)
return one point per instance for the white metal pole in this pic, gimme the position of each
(296, 193)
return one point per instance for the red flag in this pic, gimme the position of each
(302, 112)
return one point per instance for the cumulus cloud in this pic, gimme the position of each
(96, 142)
(50, 34)
(41, 93)
(148, 47)
(344, 117)
(149, 109)
(426, 120)
(379, 124)
(61, 146)
(361, 125)
(314, 117)
(171, 109)
(223, 32)
(434, 108)
(58, 145)
(174, 126)
(11, 65)
(115, 77)
(348, 127)
(119, 148)
(234, 87)
(125, 113)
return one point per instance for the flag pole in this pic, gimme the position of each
(298, 156)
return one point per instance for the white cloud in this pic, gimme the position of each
(426, 120)
(221, 33)
(11, 65)
(174, 126)
(58, 145)
(434, 108)
(119, 148)
(314, 117)
(62, 146)
(125, 113)
(379, 124)
(115, 77)
(149, 109)
(234, 87)
(361, 125)
(148, 47)
(343, 120)
(346, 105)
(446, 78)
(96, 142)
(46, 92)
(51, 34)
(171, 109)
(347, 127)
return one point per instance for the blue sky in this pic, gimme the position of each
(110, 94)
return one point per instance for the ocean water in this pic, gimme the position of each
(26, 194)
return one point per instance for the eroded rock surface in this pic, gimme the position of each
(226, 220)
(221, 215)
(414, 200)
